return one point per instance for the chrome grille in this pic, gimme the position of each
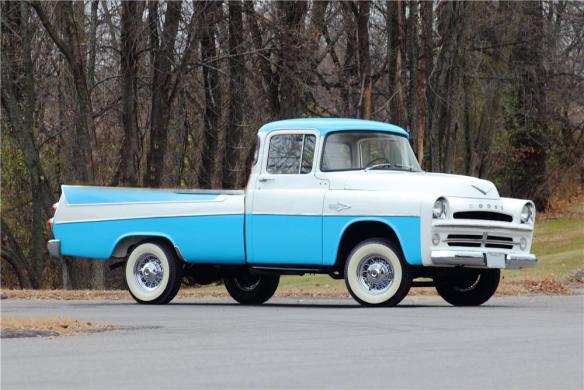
(483, 215)
(480, 241)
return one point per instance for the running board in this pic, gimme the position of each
(289, 270)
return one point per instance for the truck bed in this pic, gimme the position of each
(92, 221)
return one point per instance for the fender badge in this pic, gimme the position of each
(339, 206)
(481, 190)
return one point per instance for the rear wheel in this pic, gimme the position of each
(468, 287)
(376, 274)
(251, 289)
(153, 273)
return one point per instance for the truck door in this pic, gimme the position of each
(284, 225)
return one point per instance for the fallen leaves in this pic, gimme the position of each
(51, 325)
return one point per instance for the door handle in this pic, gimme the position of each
(265, 179)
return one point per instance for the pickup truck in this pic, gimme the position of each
(342, 197)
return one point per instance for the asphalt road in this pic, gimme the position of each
(526, 342)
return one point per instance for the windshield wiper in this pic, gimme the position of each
(390, 166)
(404, 167)
(378, 166)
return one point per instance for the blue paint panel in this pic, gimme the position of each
(407, 230)
(99, 195)
(204, 239)
(328, 125)
(284, 239)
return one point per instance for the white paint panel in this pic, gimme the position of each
(372, 203)
(222, 205)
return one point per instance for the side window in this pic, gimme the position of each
(291, 154)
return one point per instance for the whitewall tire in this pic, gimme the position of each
(153, 274)
(376, 273)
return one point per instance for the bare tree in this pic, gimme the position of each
(69, 42)
(365, 104)
(162, 54)
(18, 103)
(212, 114)
(131, 24)
(395, 29)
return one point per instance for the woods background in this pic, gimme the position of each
(171, 94)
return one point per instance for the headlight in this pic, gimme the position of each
(528, 213)
(439, 209)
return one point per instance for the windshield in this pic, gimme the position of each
(356, 150)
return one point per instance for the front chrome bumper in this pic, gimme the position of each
(54, 247)
(483, 260)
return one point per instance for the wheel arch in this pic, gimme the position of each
(126, 243)
(361, 229)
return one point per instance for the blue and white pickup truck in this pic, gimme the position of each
(341, 197)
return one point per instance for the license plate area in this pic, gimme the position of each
(496, 260)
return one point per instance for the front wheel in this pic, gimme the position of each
(376, 274)
(468, 287)
(251, 289)
(153, 273)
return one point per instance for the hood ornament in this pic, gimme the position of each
(481, 190)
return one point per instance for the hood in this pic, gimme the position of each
(435, 183)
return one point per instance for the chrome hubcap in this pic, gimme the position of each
(148, 272)
(375, 274)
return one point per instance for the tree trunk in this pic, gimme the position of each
(12, 253)
(19, 100)
(131, 20)
(271, 80)
(71, 48)
(450, 25)
(92, 45)
(350, 70)
(161, 102)
(364, 59)
(395, 28)
(212, 112)
(291, 18)
(235, 126)
(424, 67)
(413, 77)
(113, 35)
(528, 126)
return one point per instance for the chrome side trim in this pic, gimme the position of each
(219, 198)
(178, 190)
(146, 217)
(54, 247)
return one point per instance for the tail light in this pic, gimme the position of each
(53, 210)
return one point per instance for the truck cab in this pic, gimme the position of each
(343, 197)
